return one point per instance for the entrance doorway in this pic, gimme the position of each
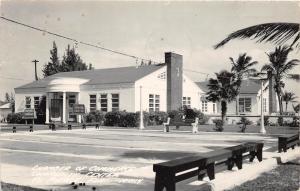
(56, 109)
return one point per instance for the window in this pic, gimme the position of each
(186, 101)
(93, 102)
(265, 104)
(154, 102)
(36, 101)
(27, 102)
(103, 102)
(157, 100)
(204, 106)
(115, 102)
(245, 105)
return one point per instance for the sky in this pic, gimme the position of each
(143, 29)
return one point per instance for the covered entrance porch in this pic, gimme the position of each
(61, 94)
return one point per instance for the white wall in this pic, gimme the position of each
(190, 89)
(126, 96)
(151, 84)
(20, 100)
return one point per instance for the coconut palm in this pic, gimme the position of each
(288, 97)
(242, 68)
(278, 33)
(296, 108)
(280, 66)
(222, 89)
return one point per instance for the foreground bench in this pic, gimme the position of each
(170, 172)
(180, 122)
(287, 141)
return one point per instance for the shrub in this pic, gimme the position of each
(157, 118)
(127, 119)
(266, 121)
(95, 116)
(112, 118)
(244, 121)
(219, 125)
(120, 119)
(145, 118)
(203, 119)
(175, 114)
(15, 118)
(295, 122)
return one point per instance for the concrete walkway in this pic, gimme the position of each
(119, 159)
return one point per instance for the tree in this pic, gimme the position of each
(242, 68)
(10, 99)
(279, 66)
(278, 33)
(297, 108)
(53, 66)
(222, 89)
(72, 61)
(288, 97)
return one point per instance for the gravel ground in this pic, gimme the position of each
(285, 177)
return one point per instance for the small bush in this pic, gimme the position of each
(176, 114)
(95, 116)
(244, 121)
(266, 121)
(157, 118)
(112, 118)
(120, 119)
(203, 119)
(15, 118)
(295, 122)
(145, 118)
(219, 125)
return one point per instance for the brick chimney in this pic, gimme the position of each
(174, 80)
(272, 94)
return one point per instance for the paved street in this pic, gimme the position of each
(107, 159)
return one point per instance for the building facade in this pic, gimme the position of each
(160, 87)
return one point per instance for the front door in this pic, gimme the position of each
(56, 109)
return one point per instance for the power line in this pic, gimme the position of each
(195, 71)
(76, 41)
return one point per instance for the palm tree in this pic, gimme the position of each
(296, 108)
(278, 33)
(222, 89)
(279, 66)
(288, 97)
(242, 68)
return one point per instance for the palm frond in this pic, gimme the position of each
(277, 33)
(267, 67)
(294, 77)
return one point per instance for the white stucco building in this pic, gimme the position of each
(153, 88)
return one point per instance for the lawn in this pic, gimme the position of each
(284, 177)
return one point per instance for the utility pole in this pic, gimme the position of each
(35, 61)
(141, 111)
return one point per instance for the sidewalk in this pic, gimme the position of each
(139, 178)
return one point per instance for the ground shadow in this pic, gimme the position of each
(160, 155)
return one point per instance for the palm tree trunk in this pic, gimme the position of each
(237, 105)
(223, 110)
(286, 106)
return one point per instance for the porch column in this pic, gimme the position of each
(47, 108)
(64, 108)
(78, 101)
